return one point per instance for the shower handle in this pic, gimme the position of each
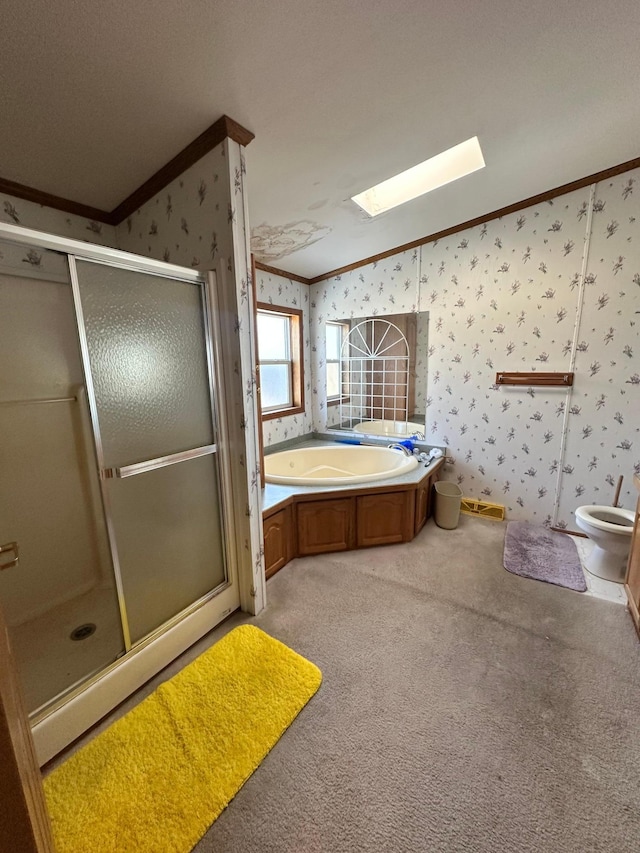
(9, 548)
(159, 462)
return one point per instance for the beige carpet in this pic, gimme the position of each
(463, 709)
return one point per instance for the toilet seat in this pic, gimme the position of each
(597, 516)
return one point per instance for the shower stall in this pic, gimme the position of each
(115, 491)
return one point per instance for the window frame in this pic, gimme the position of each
(296, 362)
(343, 395)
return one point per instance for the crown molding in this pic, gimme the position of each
(224, 128)
(282, 273)
(487, 217)
(38, 197)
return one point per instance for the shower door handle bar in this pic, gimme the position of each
(160, 462)
(35, 400)
(10, 548)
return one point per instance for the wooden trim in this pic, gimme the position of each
(283, 413)
(224, 128)
(569, 532)
(634, 612)
(256, 367)
(235, 131)
(534, 378)
(24, 822)
(220, 130)
(297, 360)
(632, 577)
(282, 273)
(488, 217)
(55, 201)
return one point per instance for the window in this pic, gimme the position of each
(280, 358)
(337, 384)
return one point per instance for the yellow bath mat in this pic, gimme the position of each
(155, 780)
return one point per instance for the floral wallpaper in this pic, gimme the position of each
(387, 287)
(240, 296)
(541, 289)
(185, 222)
(603, 436)
(552, 287)
(200, 220)
(287, 293)
(422, 363)
(31, 215)
(504, 296)
(33, 262)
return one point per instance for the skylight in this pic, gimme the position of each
(435, 172)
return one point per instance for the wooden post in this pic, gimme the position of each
(24, 822)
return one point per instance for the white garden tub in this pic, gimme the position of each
(335, 465)
(390, 429)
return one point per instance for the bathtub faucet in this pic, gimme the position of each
(401, 447)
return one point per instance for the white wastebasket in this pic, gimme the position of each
(448, 500)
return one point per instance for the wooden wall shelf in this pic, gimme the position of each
(534, 378)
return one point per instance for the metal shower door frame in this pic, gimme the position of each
(79, 250)
(188, 277)
(70, 714)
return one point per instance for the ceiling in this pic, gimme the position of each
(340, 94)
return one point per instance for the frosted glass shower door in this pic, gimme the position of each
(145, 341)
(59, 596)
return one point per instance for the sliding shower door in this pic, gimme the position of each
(57, 589)
(147, 358)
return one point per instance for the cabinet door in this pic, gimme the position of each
(277, 541)
(385, 518)
(422, 504)
(325, 526)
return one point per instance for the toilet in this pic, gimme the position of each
(610, 530)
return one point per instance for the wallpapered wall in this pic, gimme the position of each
(286, 293)
(512, 294)
(198, 220)
(19, 212)
(389, 287)
(539, 289)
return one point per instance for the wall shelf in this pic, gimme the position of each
(534, 378)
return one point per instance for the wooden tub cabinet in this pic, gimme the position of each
(362, 517)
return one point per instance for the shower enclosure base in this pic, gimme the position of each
(62, 726)
(46, 637)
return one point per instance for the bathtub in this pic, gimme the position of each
(390, 429)
(334, 465)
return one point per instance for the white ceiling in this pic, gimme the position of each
(340, 94)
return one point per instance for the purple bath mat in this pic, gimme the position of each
(536, 552)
